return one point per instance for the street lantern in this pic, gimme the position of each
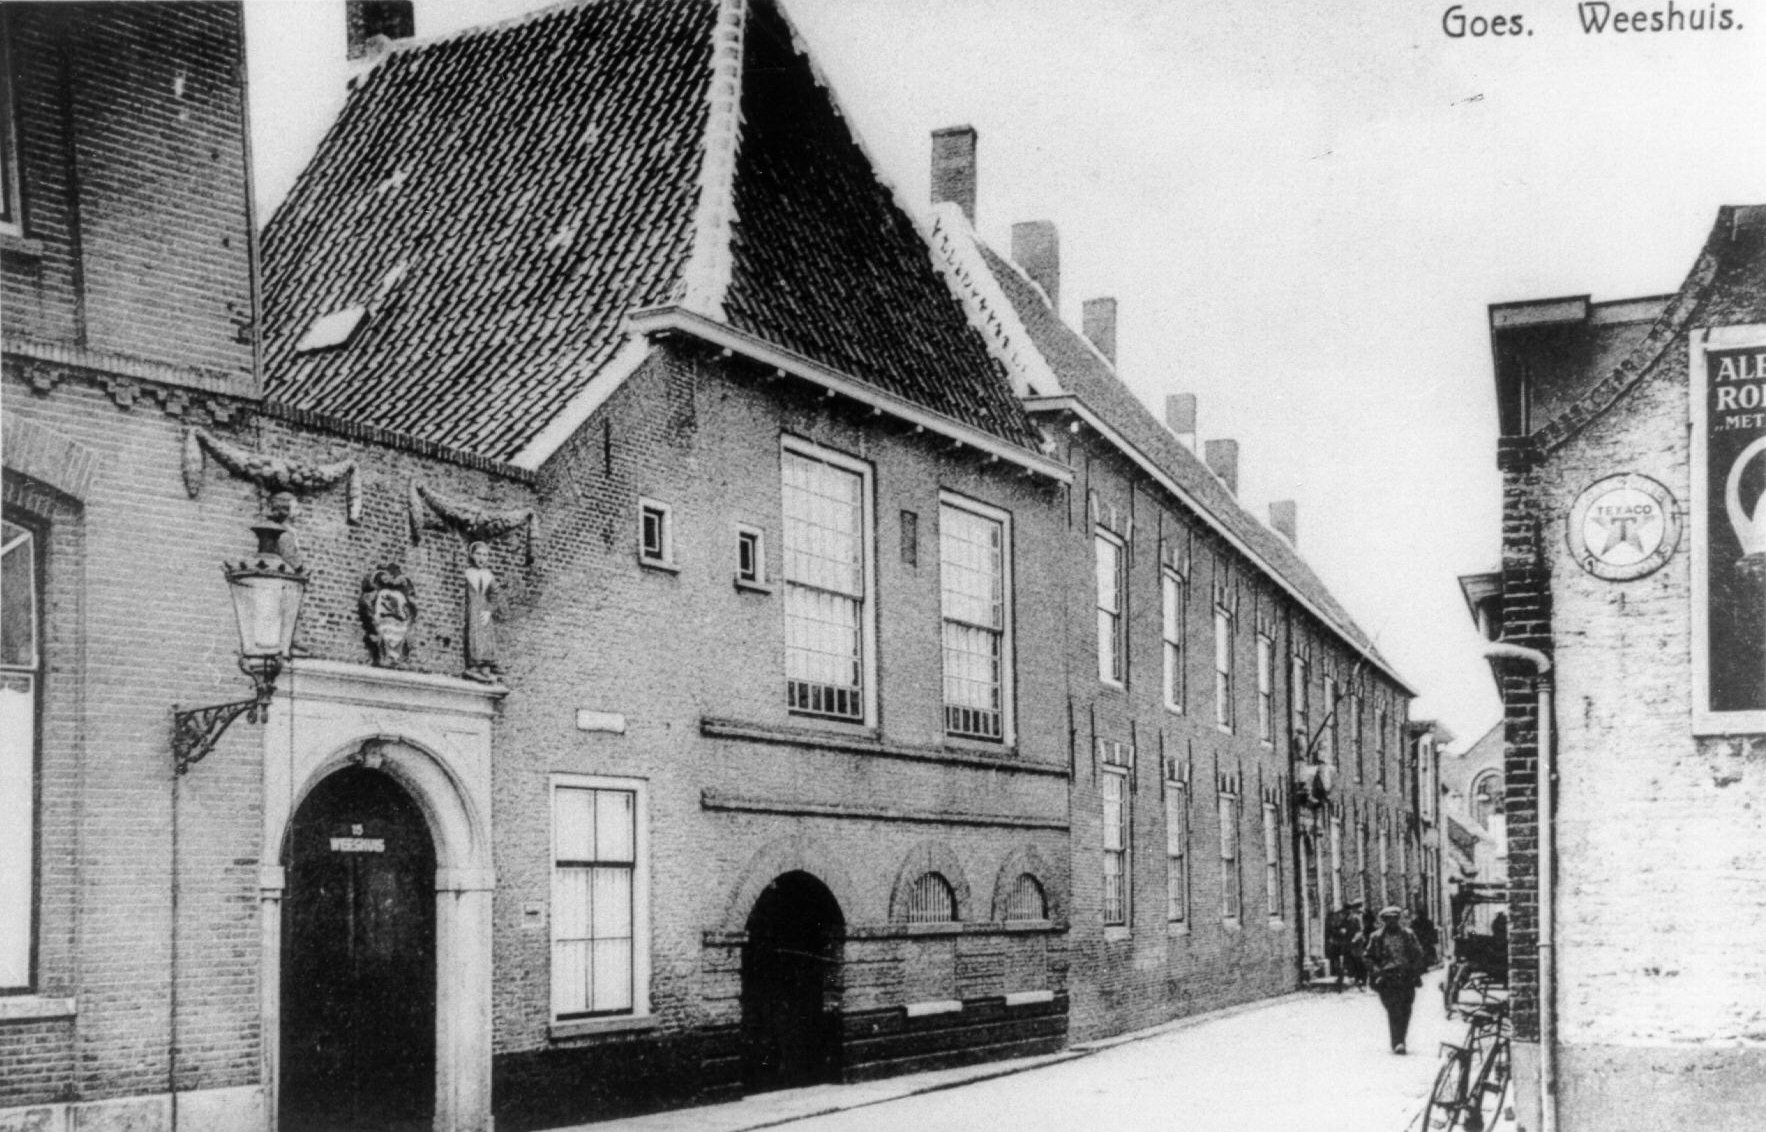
(267, 591)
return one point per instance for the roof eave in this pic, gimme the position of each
(1068, 403)
(678, 320)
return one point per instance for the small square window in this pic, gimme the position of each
(656, 543)
(751, 559)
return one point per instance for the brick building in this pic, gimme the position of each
(1629, 625)
(1242, 759)
(1471, 801)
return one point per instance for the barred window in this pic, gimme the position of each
(825, 559)
(596, 927)
(1027, 901)
(1272, 861)
(1265, 688)
(1109, 564)
(1231, 882)
(20, 671)
(931, 900)
(972, 571)
(1114, 785)
(1223, 668)
(1172, 593)
(1177, 850)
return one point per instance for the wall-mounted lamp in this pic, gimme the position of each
(267, 593)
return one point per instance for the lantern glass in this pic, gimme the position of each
(266, 605)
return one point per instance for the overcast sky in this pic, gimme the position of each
(1303, 210)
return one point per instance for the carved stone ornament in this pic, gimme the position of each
(428, 509)
(388, 608)
(272, 474)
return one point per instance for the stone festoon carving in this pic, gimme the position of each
(388, 607)
(483, 594)
(272, 474)
(428, 509)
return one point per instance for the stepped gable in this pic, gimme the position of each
(489, 207)
(1085, 375)
(826, 263)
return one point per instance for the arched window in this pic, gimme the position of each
(931, 900)
(1486, 796)
(1026, 900)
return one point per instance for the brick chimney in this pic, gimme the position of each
(1223, 460)
(953, 168)
(1284, 516)
(373, 25)
(1180, 418)
(1036, 247)
(1100, 325)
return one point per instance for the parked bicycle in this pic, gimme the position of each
(1472, 1087)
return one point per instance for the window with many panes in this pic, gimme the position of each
(1177, 853)
(1302, 694)
(20, 676)
(974, 549)
(1265, 688)
(1108, 550)
(827, 584)
(11, 190)
(1113, 783)
(1223, 667)
(1230, 880)
(600, 957)
(1171, 631)
(1272, 861)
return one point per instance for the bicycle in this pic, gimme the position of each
(1471, 1089)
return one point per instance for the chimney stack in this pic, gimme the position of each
(1223, 460)
(1100, 326)
(1284, 516)
(1180, 418)
(373, 24)
(1036, 247)
(953, 168)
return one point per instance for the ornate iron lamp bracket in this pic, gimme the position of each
(195, 732)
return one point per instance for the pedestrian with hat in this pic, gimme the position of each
(1395, 968)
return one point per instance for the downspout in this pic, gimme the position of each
(1544, 765)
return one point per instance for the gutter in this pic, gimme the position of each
(1545, 766)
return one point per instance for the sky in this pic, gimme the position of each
(1303, 211)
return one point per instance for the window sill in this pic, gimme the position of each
(749, 587)
(590, 1027)
(661, 564)
(34, 1008)
(1116, 932)
(1177, 928)
(13, 243)
(1223, 728)
(963, 744)
(1230, 923)
(1276, 924)
(1174, 709)
(1112, 685)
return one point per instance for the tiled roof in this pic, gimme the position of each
(489, 207)
(1084, 374)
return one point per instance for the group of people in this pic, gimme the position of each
(1384, 953)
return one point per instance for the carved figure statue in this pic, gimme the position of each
(284, 507)
(483, 592)
(388, 607)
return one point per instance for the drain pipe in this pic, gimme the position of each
(1545, 766)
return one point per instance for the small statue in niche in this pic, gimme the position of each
(483, 593)
(388, 607)
(283, 508)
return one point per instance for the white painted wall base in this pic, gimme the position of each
(204, 1110)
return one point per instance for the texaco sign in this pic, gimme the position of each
(1623, 527)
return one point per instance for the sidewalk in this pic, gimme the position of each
(1276, 1026)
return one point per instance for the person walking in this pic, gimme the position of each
(1395, 968)
(1339, 935)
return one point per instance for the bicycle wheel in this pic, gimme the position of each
(1488, 1089)
(1447, 1099)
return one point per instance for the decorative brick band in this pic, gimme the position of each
(718, 800)
(858, 745)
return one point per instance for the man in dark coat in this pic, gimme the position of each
(1395, 967)
(1340, 929)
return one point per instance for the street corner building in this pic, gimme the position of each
(1630, 623)
(702, 630)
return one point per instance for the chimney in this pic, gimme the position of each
(373, 25)
(1223, 460)
(1284, 516)
(953, 168)
(1100, 325)
(1180, 418)
(1036, 247)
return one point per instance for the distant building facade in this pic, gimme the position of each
(1628, 619)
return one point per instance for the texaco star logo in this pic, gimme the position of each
(1623, 527)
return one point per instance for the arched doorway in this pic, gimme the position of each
(358, 960)
(791, 985)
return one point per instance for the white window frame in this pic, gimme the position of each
(1232, 881)
(1225, 659)
(1007, 645)
(751, 541)
(20, 837)
(640, 959)
(1174, 636)
(868, 563)
(664, 557)
(1112, 667)
(1118, 819)
(1177, 855)
(1272, 862)
(1265, 689)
